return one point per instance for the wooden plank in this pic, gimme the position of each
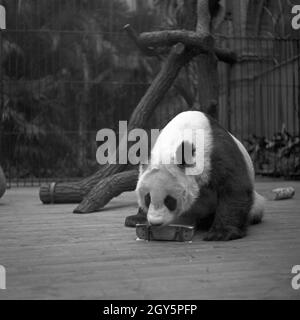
(50, 253)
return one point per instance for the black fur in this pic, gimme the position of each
(230, 179)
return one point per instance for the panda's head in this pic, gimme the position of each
(165, 192)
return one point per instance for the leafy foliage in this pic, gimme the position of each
(279, 156)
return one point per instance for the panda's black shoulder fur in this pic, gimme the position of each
(228, 165)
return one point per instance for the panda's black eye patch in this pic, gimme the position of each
(147, 200)
(170, 203)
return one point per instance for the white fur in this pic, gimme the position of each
(164, 151)
(185, 187)
(246, 158)
(171, 138)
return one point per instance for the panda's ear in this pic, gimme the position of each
(185, 154)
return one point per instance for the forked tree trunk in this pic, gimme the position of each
(207, 66)
(108, 182)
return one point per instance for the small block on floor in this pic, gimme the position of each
(173, 232)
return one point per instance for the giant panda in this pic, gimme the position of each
(220, 197)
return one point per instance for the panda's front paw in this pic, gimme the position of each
(132, 221)
(224, 234)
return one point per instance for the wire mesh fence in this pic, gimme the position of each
(259, 103)
(68, 70)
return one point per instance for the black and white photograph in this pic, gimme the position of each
(149, 153)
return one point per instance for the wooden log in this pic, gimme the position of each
(61, 193)
(191, 39)
(74, 192)
(106, 189)
(172, 37)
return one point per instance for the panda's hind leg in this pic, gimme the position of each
(231, 219)
(140, 217)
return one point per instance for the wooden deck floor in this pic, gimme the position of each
(50, 253)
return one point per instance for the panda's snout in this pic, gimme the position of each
(155, 217)
(158, 217)
(155, 222)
